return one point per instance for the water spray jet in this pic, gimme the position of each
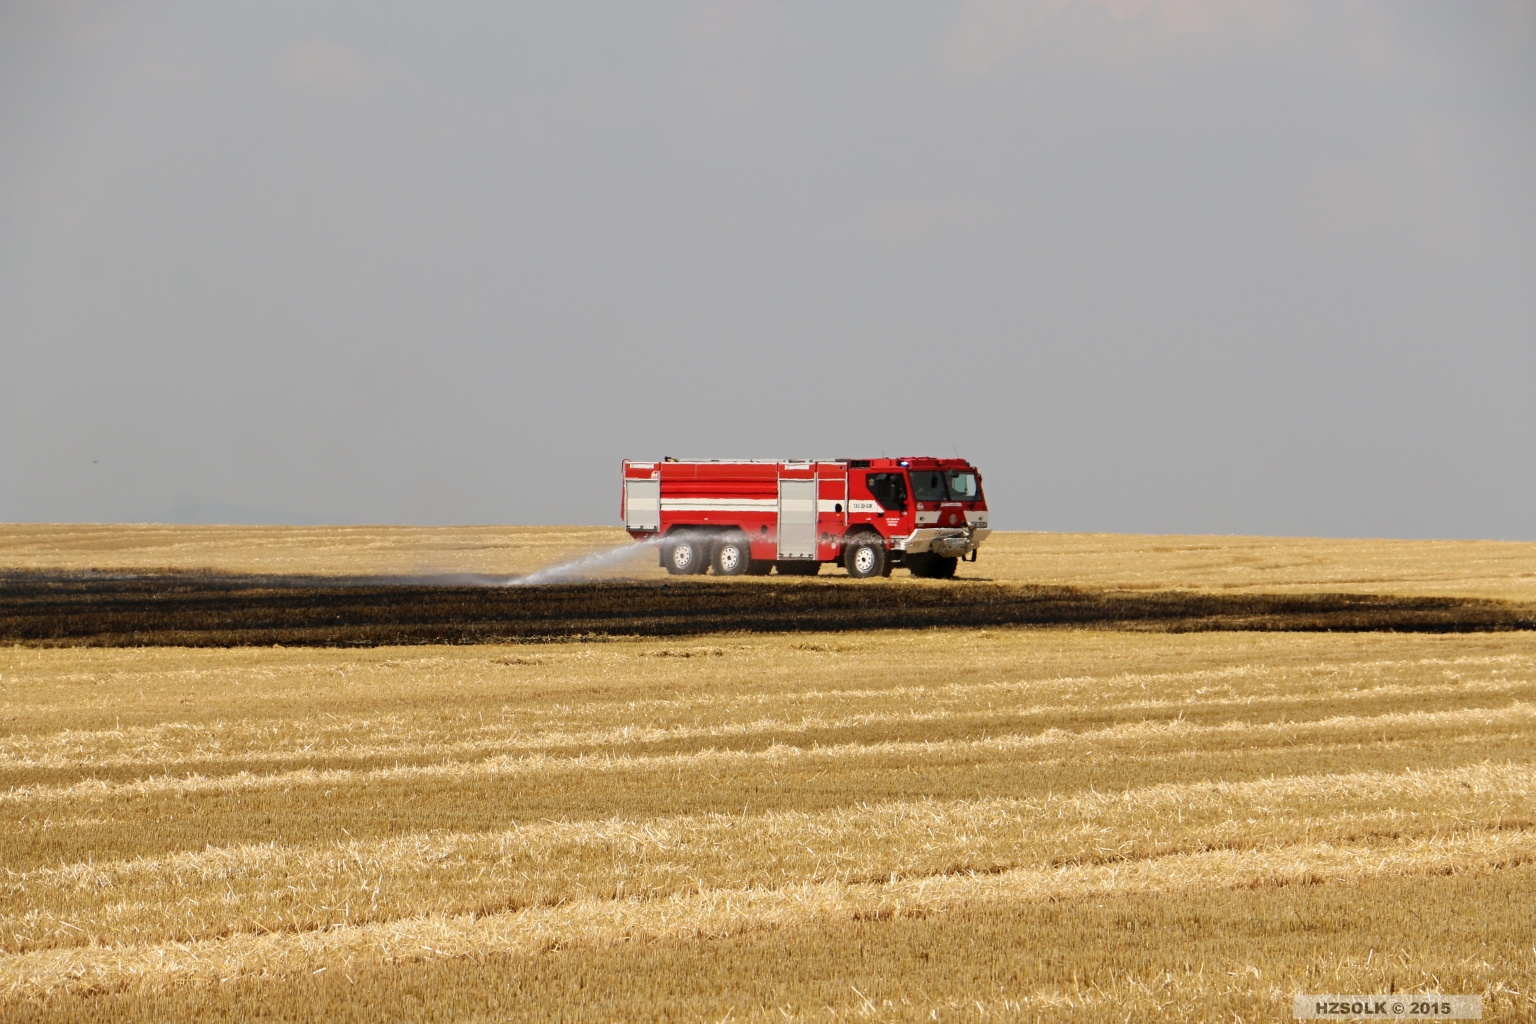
(580, 569)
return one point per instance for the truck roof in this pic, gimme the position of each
(883, 462)
(907, 462)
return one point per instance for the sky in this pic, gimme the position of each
(1163, 267)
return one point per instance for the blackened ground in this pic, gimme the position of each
(207, 610)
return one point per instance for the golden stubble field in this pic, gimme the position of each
(1020, 824)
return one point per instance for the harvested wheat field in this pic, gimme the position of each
(1051, 823)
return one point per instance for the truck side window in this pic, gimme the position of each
(889, 489)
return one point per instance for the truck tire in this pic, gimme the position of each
(685, 555)
(798, 568)
(865, 557)
(732, 555)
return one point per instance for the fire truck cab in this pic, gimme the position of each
(755, 517)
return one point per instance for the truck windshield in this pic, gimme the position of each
(927, 485)
(962, 485)
(943, 485)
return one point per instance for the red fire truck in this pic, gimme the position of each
(749, 518)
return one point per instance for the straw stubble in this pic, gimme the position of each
(190, 832)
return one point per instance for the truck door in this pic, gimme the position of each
(642, 504)
(797, 518)
(831, 509)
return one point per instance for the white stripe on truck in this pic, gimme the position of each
(719, 504)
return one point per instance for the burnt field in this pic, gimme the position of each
(202, 609)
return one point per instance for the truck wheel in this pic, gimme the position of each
(798, 568)
(944, 568)
(865, 557)
(918, 563)
(733, 556)
(684, 556)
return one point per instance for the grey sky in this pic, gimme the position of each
(1186, 266)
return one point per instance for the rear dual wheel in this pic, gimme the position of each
(685, 555)
(692, 554)
(732, 556)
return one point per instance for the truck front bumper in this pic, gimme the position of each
(946, 542)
